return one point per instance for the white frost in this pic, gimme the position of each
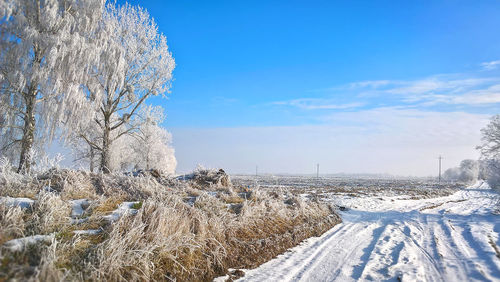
(78, 207)
(24, 203)
(123, 208)
(87, 232)
(19, 244)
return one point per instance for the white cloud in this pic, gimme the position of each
(476, 99)
(370, 83)
(431, 91)
(416, 87)
(438, 84)
(317, 104)
(490, 65)
(470, 97)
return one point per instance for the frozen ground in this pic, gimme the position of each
(394, 238)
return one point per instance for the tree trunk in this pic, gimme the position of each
(28, 133)
(106, 145)
(147, 159)
(92, 156)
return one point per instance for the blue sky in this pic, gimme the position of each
(287, 84)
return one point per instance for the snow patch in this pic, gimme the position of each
(49, 189)
(24, 203)
(212, 193)
(190, 200)
(123, 208)
(78, 207)
(87, 232)
(20, 244)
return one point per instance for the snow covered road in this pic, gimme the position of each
(453, 238)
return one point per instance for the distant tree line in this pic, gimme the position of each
(81, 72)
(488, 166)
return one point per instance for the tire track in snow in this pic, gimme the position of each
(480, 253)
(298, 260)
(377, 233)
(424, 248)
(462, 252)
(386, 253)
(311, 260)
(334, 268)
(452, 262)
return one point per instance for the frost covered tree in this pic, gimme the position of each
(82, 142)
(146, 147)
(87, 139)
(490, 137)
(492, 173)
(6, 7)
(152, 147)
(45, 46)
(469, 171)
(490, 152)
(134, 64)
(452, 174)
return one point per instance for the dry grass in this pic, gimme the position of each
(168, 238)
(440, 204)
(12, 223)
(494, 246)
(104, 205)
(232, 199)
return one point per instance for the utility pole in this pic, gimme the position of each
(256, 170)
(317, 171)
(440, 158)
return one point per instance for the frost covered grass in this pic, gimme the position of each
(124, 228)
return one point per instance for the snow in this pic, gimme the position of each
(19, 244)
(392, 239)
(222, 278)
(123, 208)
(78, 207)
(87, 232)
(190, 200)
(48, 189)
(24, 203)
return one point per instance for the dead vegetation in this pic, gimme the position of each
(494, 246)
(325, 187)
(440, 204)
(185, 230)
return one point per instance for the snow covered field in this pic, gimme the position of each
(394, 238)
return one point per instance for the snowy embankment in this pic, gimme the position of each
(453, 238)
